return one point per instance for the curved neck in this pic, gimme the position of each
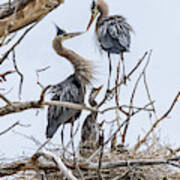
(103, 9)
(82, 67)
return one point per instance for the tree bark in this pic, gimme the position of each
(20, 13)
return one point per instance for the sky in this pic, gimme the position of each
(156, 25)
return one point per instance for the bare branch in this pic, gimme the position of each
(37, 74)
(19, 73)
(148, 94)
(132, 97)
(122, 82)
(22, 106)
(9, 128)
(3, 76)
(5, 99)
(157, 122)
(24, 12)
(57, 160)
(16, 43)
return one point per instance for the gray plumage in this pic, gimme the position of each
(90, 132)
(70, 90)
(113, 34)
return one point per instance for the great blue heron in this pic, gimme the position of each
(112, 32)
(72, 89)
(90, 130)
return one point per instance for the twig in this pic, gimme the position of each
(5, 99)
(132, 97)
(42, 96)
(148, 94)
(16, 43)
(9, 128)
(156, 123)
(3, 76)
(31, 138)
(101, 139)
(19, 73)
(114, 134)
(57, 160)
(122, 82)
(37, 74)
(117, 94)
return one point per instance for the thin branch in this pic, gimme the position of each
(122, 82)
(157, 122)
(3, 76)
(16, 43)
(57, 160)
(19, 73)
(31, 138)
(9, 128)
(148, 94)
(133, 96)
(37, 74)
(117, 94)
(5, 99)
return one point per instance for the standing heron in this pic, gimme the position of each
(90, 130)
(71, 89)
(112, 32)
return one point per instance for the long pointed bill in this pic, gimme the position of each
(98, 90)
(90, 22)
(100, 87)
(71, 35)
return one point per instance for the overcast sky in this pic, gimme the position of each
(156, 25)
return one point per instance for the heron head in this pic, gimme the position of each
(64, 35)
(94, 93)
(94, 13)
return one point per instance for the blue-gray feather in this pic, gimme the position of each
(69, 90)
(113, 34)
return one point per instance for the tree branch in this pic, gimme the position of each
(24, 12)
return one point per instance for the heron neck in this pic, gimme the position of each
(103, 9)
(82, 67)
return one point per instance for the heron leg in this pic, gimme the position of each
(72, 139)
(62, 140)
(110, 70)
(124, 73)
(43, 145)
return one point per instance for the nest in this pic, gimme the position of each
(118, 163)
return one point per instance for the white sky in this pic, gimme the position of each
(157, 26)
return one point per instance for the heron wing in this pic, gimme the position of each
(68, 91)
(114, 30)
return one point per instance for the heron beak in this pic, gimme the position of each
(71, 35)
(90, 22)
(98, 90)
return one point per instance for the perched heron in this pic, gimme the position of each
(112, 32)
(90, 132)
(70, 90)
